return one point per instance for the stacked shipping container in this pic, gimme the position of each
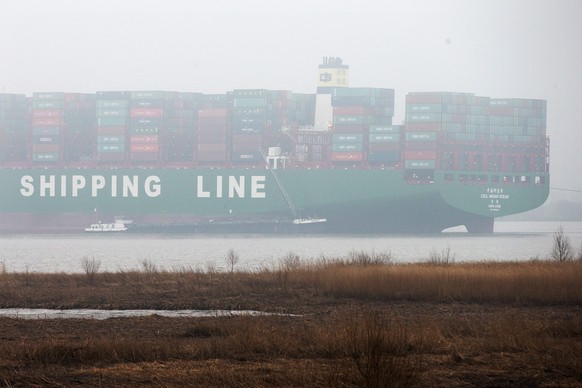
(62, 127)
(384, 144)
(112, 125)
(448, 131)
(14, 128)
(147, 114)
(355, 111)
(79, 128)
(178, 131)
(521, 123)
(213, 135)
(459, 120)
(249, 125)
(47, 126)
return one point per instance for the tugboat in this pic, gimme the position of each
(119, 225)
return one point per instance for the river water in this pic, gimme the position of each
(65, 253)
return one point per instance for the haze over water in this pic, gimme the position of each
(64, 253)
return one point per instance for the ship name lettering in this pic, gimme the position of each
(235, 187)
(64, 186)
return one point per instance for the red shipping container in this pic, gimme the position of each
(213, 121)
(211, 147)
(143, 157)
(139, 147)
(47, 122)
(211, 138)
(246, 147)
(350, 128)
(47, 113)
(211, 156)
(45, 148)
(346, 156)
(420, 155)
(420, 145)
(111, 156)
(351, 110)
(387, 146)
(501, 111)
(73, 97)
(222, 128)
(215, 113)
(146, 112)
(144, 139)
(247, 139)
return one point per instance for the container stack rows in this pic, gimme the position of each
(287, 109)
(464, 132)
(300, 110)
(385, 144)
(14, 128)
(62, 127)
(446, 131)
(213, 130)
(518, 132)
(146, 114)
(47, 126)
(79, 128)
(112, 125)
(310, 148)
(178, 132)
(355, 112)
(249, 125)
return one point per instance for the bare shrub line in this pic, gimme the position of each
(562, 250)
(444, 257)
(91, 268)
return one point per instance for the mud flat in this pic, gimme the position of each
(352, 323)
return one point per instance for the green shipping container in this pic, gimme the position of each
(110, 147)
(147, 95)
(43, 157)
(426, 117)
(250, 102)
(385, 129)
(48, 104)
(387, 138)
(423, 108)
(112, 104)
(419, 164)
(112, 112)
(111, 121)
(110, 139)
(421, 136)
(347, 138)
(349, 147)
(48, 96)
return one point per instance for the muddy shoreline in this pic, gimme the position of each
(515, 324)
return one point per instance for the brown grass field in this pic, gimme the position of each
(339, 323)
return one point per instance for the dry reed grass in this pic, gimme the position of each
(364, 323)
(532, 282)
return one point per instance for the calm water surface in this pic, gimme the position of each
(64, 253)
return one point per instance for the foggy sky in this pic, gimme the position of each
(494, 48)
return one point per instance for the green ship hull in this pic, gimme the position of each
(260, 200)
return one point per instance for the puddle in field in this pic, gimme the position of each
(105, 314)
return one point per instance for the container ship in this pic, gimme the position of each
(257, 160)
